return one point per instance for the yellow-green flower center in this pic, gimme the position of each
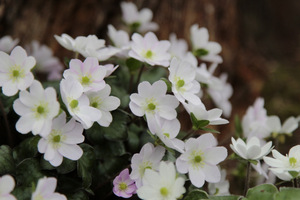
(73, 104)
(151, 106)
(145, 165)
(15, 73)
(180, 83)
(149, 54)
(56, 138)
(167, 135)
(293, 161)
(164, 191)
(40, 109)
(123, 186)
(94, 104)
(85, 80)
(197, 159)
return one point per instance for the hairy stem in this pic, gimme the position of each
(247, 181)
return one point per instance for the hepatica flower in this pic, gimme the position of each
(62, 141)
(206, 50)
(77, 103)
(15, 71)
(220, 188)
(45, 190)
(200, 160)
(7, 184)
(148, 158)
(37, 108)
(124, 186)
(162, 185)
(184, 86)
(150, 50)
(281, 165)
(88, 73)
(105, 103)
(7, 43)
(152, 101)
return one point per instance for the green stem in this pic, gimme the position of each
(190, 132)
(139, 76)
(247, 181)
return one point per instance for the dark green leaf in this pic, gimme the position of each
(7, 164)
(231, 197)
(66, 166)
(78, 195)
(294, 174)
(196, 195)
(200, 52)
(198, 124)
(22, 193)
(287, 193)
(133, 64)
(85, 165)
(28, 172)
(26, 149)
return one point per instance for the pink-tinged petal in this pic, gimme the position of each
(9, 88)
(196, 176)
(212, 173)
(215, 155)
(19, 55)
(46, 186)
(7, 184)
(182, 166)
(20, 108)
(42, 145)
(73, 152)
(25, 123)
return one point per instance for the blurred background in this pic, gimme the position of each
(260, 40)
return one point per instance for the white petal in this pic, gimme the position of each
(196, 176)
(212, 173)
(25, 123)
(73, 152)
(7, 184)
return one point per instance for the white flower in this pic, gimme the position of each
(45, 61)
(200, 159)
(7, 43)
(105, 103)
(62, 141)
(45, 190)
(220, 91)
(138, 20)
(254, 122)
(207, 51)
(281, 165)
(178, 47)
(152, 101)
(162, 185)
(220, 188)
(15, 72)
(7, 184)
(200, 112)
(184, 86)
(37, 108)
(150, 50)
(252, 150)
(120, 40)
(88, 73)
(77, 103)
(167, 130)
(274, 124)
(148, 158)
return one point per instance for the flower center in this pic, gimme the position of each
(123, 186)
(85, 80)
(56, 138)
(293, 161)
(94, 104)
(40, 109)
(167, 135)
(151, 106)
(15, 73)
(197, 159)
(73, 104)
(164, 191)
(180, 83)
(145, 165)
(149, 54)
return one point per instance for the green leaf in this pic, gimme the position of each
(28, 172)
(238, 126)
(196, 195)
(200, 52)
(287, 193)
(66, 166)
(22, 193)
(262, 192)
(169, 84)
(133, 137)
(209, 130)
(294, 174)
(254, 162)
(85, 165)
(7, 164)
(231, 197)
(117, 129)
(198, 124)
(78, 195)
(26, 149)
(133, 64)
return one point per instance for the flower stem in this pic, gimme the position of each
(247, 181)
(139, 77)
